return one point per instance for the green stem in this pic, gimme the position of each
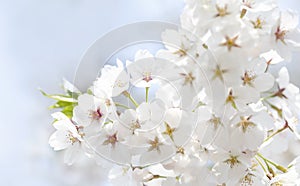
(127, 94)
(121, 105)
(262, 166)
(275, 133)
(278, 110)
(278, 167)
(107, 122)
(266, 98)
(265, 159)
(286, 126)
(147, 93)
(198, 105)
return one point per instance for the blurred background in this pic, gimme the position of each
(42, 42)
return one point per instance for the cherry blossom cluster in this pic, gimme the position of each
(213, 107)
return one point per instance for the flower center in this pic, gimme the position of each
(180, 52)
(216, 121)
(180, 150)
(80, 130)
(257, 24)
(277, 184)
(222, 11)
(231, 99)
(135, 125)
(169, 131)
(188, 78)
(280, 35)
(230, 42)
(72, 138)
(96, 115)
(247, 180)
(245, 123)
(280, 93)
(111, 139)
(232, 161)
(108, 102)
(248, 78)
(154, 144)
(147, 76)
(119, 84)
(248, 3)
(218, 73)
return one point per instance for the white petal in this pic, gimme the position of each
(72, 154)
(59, 116)
(264, 82)
(57, 142)
(284, 78)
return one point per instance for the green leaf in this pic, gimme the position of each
(89, 91)
(68, 108)
(68, 113)
(59, 97)
(64, 102)
(74, 95)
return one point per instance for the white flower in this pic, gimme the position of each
(260, 25)
(180, 45)
(231, 166)
(178, 126)
(259, 5)
(156, 150)
(90, 111)
(235, 99)
(144, 70)
(127, 176)
(285, 35)
(286, 89)
(233, 38)
(289, 178)
(231, 159)
(208, 130)
(109, 144)
(225, 68)
(187, 83)
(113, 81)
(215, 14)
(189, 171)
(248, 130)
(284, 102)
(255, 76)
(67, 136)
(146, 117)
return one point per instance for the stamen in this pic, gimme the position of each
(222, 11)
(111, 139)
(230, 42)
(232, 161)
(280, 35)
(154, 144)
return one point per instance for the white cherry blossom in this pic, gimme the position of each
(90, 111)
(113, 80)
(67, 136)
